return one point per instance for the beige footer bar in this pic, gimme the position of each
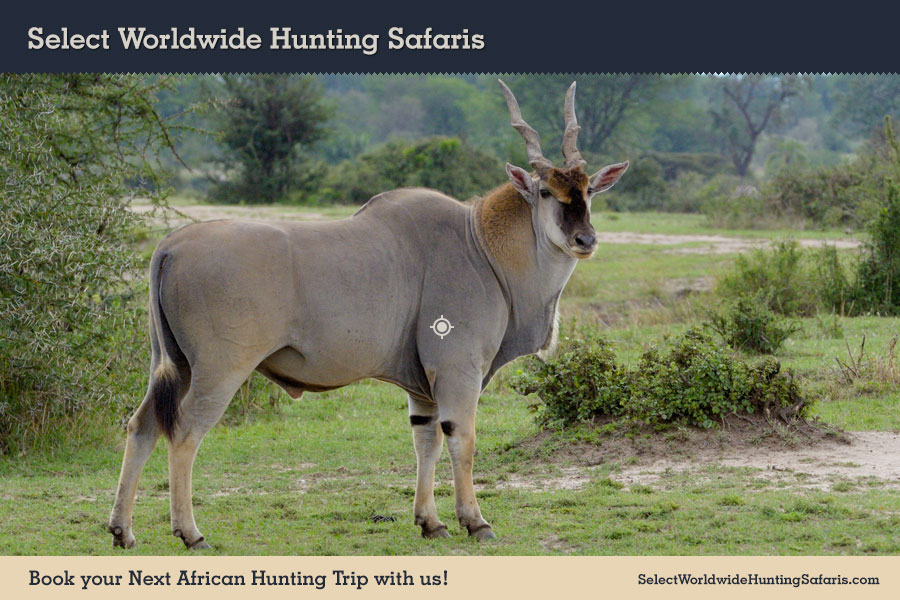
(459, 577)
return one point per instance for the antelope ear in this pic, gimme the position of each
(522, 181)
(606, 177)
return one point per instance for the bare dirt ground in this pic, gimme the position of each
(866, 455)
(821, 461)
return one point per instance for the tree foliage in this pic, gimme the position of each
(267, 122)
(865, 100)
(603, 103)
(445, 164)
(74, 149)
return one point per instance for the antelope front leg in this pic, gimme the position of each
(457, 418)
(427, 439)
(181, 463)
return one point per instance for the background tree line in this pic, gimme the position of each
(344, 138)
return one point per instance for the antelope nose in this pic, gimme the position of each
(585, 241)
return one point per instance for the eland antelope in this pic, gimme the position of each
(416, 289)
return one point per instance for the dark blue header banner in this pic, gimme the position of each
(460, 36)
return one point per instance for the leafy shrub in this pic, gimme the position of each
(749, 324)
(825, 196)
(872, 286)
(693, 381)
(73, 149)
(699, 383)
(878, 272)
(778, 275)
(834, 287)
(669, 181)
(581, 382)
(690, 192)
(445, 164)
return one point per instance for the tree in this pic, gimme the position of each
(267, 122)
(603, 103)
(74, 149)
(864, 100)
(749, 105)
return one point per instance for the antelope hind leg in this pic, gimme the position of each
(143, 433)
(200, 411)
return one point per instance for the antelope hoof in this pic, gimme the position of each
(199, 545)
(436, 532)
(482, 532)
(122, 538)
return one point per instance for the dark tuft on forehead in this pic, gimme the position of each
(567, 184)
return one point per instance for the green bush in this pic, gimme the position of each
(792, 282)
(825, 196)
(749, 324)
(780, 275)
(878, 272)
(445, 164)
(693, 381)
(872, 283)
(669, 181)
(580, 383)
(834, 287)
(698, 382)
(74, 149)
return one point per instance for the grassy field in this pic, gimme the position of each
(309, 476)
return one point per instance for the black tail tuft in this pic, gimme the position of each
(166, 396)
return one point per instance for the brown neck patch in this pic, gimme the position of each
(505, 220)
(568, 185)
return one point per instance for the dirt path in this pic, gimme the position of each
(869, 456)
(209, 212)
(712, 244)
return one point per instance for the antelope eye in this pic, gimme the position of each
(545, 193)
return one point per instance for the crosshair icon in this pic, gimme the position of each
(441, 327)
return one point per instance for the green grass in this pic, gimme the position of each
(309, 481)
(694, 224)
(625, 272)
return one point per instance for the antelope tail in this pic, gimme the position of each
(168, 381)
